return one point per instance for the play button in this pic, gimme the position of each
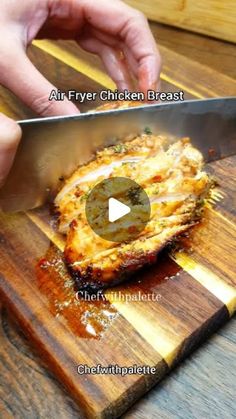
(118, 209)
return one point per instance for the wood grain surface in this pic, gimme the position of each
(210, 17)
(213, 53)
(31, 402)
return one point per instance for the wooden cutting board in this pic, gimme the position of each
(210, 17)
(195, 289)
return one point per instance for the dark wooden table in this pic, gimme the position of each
(204, 385)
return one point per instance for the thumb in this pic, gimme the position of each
(26, 82)
(10, 134)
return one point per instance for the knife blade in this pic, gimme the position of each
(52, 148)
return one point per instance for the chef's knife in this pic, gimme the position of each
(52, 148)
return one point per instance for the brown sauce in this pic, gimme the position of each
(88, 319)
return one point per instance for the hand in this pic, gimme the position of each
(10, 134)
(119, 34)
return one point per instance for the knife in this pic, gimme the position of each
(52, 148)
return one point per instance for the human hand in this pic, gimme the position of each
(116, 32)
(10, 134)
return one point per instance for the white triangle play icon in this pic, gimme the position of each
(117, 210)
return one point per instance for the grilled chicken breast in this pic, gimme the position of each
(173, 179)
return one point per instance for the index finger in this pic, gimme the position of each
(139, 40)
(132, 27)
